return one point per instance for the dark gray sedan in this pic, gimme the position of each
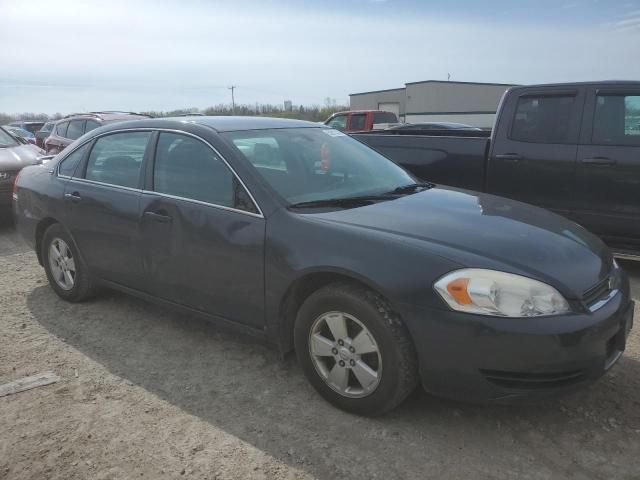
(299, 234)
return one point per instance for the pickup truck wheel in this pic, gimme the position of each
(354, 349)
(66, 272)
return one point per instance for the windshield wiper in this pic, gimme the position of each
(411, 188)
(347, 202)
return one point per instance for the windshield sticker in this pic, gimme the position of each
(334, 133)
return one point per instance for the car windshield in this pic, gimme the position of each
(7, 140)
(318, 164)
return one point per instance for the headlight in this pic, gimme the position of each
(489, 292)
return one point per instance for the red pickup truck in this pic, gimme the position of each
(359, 120)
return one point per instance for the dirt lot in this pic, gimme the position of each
(149, 393)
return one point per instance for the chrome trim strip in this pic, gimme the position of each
(200, 202)
(627, 256)
(602, 302)
(181, 132)
(102, 184)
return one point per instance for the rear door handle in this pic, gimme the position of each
(74, 197)
(509, 157)
(158, 217)
(599, 161)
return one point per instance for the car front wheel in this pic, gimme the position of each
(355, 350)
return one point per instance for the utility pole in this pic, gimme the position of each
(233, 99)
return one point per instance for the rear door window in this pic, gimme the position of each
(617, 120)
(75, 130)
(61, 129)
(116, 159)
(69, 164)
(543, 119)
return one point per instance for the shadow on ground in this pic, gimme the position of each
(244, 388)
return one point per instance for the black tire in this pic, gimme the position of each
(83, 286)
(399, 375)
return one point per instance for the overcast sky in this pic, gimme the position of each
(65, 56)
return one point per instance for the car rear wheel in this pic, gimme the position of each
(66, 272)
(355, 350)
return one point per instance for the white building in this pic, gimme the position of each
(434, 100)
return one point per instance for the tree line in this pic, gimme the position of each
(314, 113)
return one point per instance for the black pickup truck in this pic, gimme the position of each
(571, 148)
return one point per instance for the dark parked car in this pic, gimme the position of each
(43, 133)
(32, 127)
(73, 127)
(14, 155)
(299, 234)
(572, 148)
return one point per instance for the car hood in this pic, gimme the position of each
(485, 231)
(15, 158)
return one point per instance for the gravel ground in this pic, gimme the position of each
(150, 393)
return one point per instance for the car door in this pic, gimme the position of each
(533, 160)
(102, 202)
(202, 233)
(608, 167)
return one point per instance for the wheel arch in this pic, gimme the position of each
(42, 227)
(303, 286)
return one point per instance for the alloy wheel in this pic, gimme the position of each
(345, 354)
(63, 266)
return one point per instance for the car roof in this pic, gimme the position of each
(344, 112)
(604, 83)
(219, 123)
(106, 115)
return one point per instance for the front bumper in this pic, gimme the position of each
(486, 359)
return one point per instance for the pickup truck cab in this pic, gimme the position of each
(360, 120)
(571, 148)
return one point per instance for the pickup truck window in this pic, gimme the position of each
(339, 122)
(384, 117)
(358, 122)
(543, 119)
(617, 120)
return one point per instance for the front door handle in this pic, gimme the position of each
(158, 217)
(509, 157)
(74, 197)
(599, 161)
